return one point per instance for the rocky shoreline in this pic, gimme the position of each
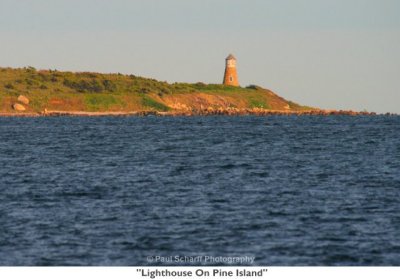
(21, 107)
(205, 112)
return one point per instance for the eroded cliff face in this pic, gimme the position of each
(259, 99)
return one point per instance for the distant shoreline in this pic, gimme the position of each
(28, 92)
(208, 112)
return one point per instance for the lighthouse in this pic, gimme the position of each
(231, 76)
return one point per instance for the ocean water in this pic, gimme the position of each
(286, 190)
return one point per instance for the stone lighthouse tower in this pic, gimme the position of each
(231, 76)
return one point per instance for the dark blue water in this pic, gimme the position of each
(286, 190)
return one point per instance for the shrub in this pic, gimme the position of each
(165, 90)
(254, 87)
(44, 77)
(30, 69)
(144, 90)
(30, 82)
(9, 86)
(88, 74)
(109, 85)
(84, 85)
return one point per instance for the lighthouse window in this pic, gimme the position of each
(230, 78)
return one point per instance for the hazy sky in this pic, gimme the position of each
(342, 54)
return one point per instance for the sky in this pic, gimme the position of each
(342, 54)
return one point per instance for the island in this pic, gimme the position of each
(30, 92)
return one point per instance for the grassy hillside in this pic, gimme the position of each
(94, 92)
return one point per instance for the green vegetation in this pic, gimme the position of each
(98, 102)
(151, 103)
(258, 104)
(86, 91)
(214, 87)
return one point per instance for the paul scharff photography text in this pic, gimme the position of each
(201, 259)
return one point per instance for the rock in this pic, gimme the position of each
(23, 100)
(18, 107)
